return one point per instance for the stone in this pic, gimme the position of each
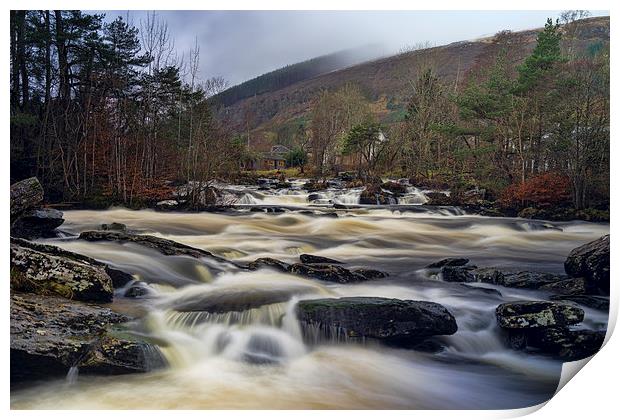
(575, 286)
(595, 302)
(449, 262)
(37, 223)
(49, 335)
(567, 344)
(25, 195)
(537, 314)
(326, 272)
(388, 320)
(591, 261)
(50, 271)
(316, 259)
(121, 227)
(268, 263)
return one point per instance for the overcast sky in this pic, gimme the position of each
(239, 45)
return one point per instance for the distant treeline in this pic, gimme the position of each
(294, 73)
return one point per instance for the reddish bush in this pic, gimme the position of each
(542, 191)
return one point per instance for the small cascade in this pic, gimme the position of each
(349, 197)
(413, 196)
(72, 375)
(265, 315)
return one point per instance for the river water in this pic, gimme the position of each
(247, 351)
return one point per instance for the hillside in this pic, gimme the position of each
(273, 115)
(297, 72)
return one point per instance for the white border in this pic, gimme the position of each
(591, 395)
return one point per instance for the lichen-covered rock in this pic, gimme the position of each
(45, 269)
(449, 262)
(537, 314)
(326, 272)
(389, 320)
(25, 195)
(37, 223)
(49, 335)
(317, 259)
(266, 262)
(591, 261)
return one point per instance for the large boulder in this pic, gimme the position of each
(25, 195)
(49, 270)
(50, 335)
(37, 223)
(591, 261)
(537, 314)
(388, 320)
(566, 344)
(327, 272)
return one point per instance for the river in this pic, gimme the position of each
(245, 356)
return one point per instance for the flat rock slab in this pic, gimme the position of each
(49, 335)
(49, 270)
(389, 320)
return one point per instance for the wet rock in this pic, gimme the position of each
(374, 194)
(257, 210)
(51, 271)
(567, 287)
(333, 215)
(25, 195)
(596, 302)
(371, 274)
(457, 274)
(489, 275)
(537, 314)
(49, 335)
(316, 259)
(438, 199)
(389, 320)
(164, 246)
(139, 289)
(449, 262)
(121, 227)
(394, 187)
(591, 261)
(530, 279)
(314, 186)
(326, 272)
(37, 223)
(566, 344)
(268, 263)
(119, 278)
(314, 197)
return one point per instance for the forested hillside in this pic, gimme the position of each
(293, 73)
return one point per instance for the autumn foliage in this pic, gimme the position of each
(542, 191)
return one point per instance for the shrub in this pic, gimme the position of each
(542, 191)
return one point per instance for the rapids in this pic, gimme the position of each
(231, 339)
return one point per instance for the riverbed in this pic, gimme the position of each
(243, 356)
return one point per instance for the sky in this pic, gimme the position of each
(240, 45)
